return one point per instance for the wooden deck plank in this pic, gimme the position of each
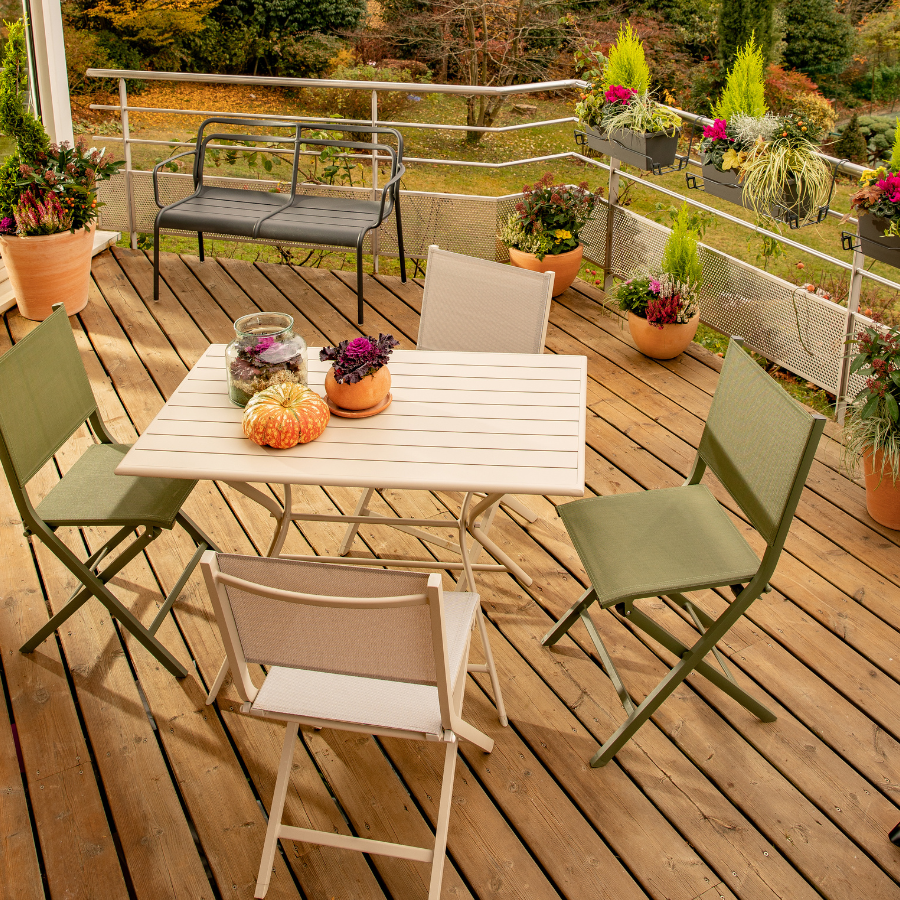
(703, 803)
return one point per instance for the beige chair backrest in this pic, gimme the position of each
(345, 620)
(480, 306)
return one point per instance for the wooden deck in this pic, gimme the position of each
(126, 785)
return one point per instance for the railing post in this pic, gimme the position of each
(374, 179)
(126, 141)
(849, 328)
(612, 203)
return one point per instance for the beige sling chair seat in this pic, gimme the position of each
(368, 650)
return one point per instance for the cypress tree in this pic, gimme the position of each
(851, 144)
(738, 21)
(818, 39)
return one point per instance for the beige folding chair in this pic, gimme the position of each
(478, 306)
(367, 650)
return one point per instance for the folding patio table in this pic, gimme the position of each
(479, 423)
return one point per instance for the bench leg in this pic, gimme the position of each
(359, 280)
(400, 236)
(200, 244)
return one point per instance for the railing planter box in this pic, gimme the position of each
(724, 185)
(649, 151)
(873, 242)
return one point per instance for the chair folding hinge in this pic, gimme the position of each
(27, 532)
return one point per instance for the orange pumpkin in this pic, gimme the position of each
(285, 415)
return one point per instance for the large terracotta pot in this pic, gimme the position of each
(882, 492)
(662, 343)
(52, 268)
(362, 395)
(564, 266)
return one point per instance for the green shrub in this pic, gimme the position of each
(305, 55)
(627, 64)
(741, 20)
(745, 85)
(680, 260)
(895, 154)
(817, 37)
(851, 144)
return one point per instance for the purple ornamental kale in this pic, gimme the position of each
(354, 360)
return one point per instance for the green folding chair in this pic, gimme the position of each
(45, 396)
(760, 443)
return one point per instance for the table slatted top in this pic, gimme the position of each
(494, 422)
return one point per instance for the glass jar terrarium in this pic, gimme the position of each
(265, 352)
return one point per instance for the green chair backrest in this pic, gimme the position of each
(45, 396)
(755, 440)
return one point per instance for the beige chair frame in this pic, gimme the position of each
(450, 700)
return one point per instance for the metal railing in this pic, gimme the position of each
(745, 285)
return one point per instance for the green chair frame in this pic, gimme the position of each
(760, 444)
(45, 367)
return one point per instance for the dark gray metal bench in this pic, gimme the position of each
(276, 217)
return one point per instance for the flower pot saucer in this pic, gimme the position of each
(359, 413)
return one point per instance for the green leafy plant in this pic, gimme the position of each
(627, 64)
(745, 90)
(873, 422)
(895, 152)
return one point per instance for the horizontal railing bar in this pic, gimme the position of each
(437, 126)
(410, 87)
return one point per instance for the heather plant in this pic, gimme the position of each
(548, 218)
(41, 212)
(627, 66)
(745, 85)
(351, 361)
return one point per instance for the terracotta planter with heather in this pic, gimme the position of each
(882, 490)
(564, 266)
(49, 269)
(664, 342)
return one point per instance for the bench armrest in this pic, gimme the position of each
(159, 165)
(401, 171)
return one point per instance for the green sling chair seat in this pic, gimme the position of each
(760, 444)
(45, 396)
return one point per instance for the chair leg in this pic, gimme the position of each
(399, 235)
(200, 245)
(217, 683)
(569, 618)
(359, 282)
(491, 668)
(156, 264)
(518, 507)
(362, 509)
(276, 811)
(443, 821)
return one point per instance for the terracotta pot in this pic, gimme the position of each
(49, 269)
(662, 343)
(564, 266)
(371, 390)
(882, 492)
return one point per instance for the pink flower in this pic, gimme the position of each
(619, 94)
(716, 131)
(891, 187)
(655, 286)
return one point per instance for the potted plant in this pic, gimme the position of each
(543, 232)
(872, 427)
(877, 203)
(766, 163)
(359, 379)
(662, 307)
(619, 117)
(48, 200)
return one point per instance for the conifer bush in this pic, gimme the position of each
(745, 92)
(627, 66)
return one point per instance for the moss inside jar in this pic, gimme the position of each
(265, 352)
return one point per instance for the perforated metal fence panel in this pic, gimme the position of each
(798, 330)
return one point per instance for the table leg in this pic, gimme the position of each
(281, 529)
(362, 509)
(480, 535)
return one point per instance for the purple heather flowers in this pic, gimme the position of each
(353, 360)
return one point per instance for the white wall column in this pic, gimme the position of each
(50, 65)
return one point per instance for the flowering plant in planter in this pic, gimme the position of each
(659, 299)
(872, 428)
(879, 194)
(548, 218)
(351, 361)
